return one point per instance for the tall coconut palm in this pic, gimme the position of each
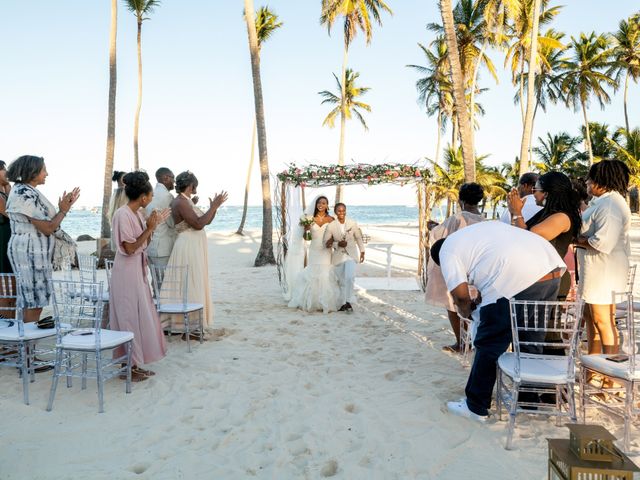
(434, 88)
(267, 22)
(627, 148)
(357, 15)
(265, 253)
(459, 97)
(558, 152)
(141, 9)
(626, 51)
(601, 138)
(105, 229)
(587, 75)
(349, 104)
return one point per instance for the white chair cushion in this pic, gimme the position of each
(180, 307)
(622, 307)
(599, 363)
(108, 339)
(535, 370)
(31, 332)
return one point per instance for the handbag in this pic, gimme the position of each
(64, 249)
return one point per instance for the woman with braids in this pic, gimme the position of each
(559, 221)
(605, 238)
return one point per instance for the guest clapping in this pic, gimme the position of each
(36, 241)
(131, 306)
(190, 248)
(605, 236)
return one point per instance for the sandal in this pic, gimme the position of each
(455, 348)
(142, 371)
(193, 336)
(136, 377)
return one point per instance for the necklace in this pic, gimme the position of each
(182, 193)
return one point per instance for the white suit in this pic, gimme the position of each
(344, 259)
(164, 236)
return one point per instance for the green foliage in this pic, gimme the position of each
(140, 8)
(559, 153)
(352, 105)
(267, 22)
(357, 15)
(326, 175)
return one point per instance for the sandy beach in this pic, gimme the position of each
(282, 394)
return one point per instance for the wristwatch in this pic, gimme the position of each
(516, 217)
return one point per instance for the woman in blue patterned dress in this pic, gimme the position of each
(34, 226)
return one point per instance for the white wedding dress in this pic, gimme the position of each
(316, 287)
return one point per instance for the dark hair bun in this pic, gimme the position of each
(136, 184)
(117, 175)
(184, 180)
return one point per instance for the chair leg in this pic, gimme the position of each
(25, 372)
(31, 358)
(84, 371)
(68, 371)
(100, 380)
(572, 402)
(583, 394)
(187, 329)
(512, 414)
(628, 415)
(499, 387)
(128, 382)
(54, 380)
(201, 325)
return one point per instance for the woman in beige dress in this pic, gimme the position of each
(190, 248)
(436, 293)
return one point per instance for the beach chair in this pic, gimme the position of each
(522, 375)
(622, 370)
(18, 340)
(171, 288)
(88, 268)
(80, 338)
(466, 340)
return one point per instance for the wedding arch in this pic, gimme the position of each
(289, 196)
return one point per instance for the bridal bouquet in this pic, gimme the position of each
(306, 221)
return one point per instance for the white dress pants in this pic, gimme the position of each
(346, 272)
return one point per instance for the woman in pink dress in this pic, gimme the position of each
(131, 306)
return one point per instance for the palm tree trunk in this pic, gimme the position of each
(437, 156)
(457, 79)
(247, 184)
(454, 134)
(531, 94)
(105, 230)
(343, 117)
(474, 81)
(136, 126)
(265, 253)
(521, 89)
(626, 88)
(586, 129)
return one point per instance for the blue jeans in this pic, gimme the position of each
(492, 340)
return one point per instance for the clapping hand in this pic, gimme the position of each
(514, 202)
(66, 201)
(218, 200)
(157, 217)
(195, 199)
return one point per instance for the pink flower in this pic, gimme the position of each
(303, 184)
(418, 174)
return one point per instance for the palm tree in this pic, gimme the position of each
(587, 75)
(266, 23)
(357, 15)
(628, 151)
(434, 88)
(140, 8)
(559, 153)
(626, 51)
(601, 138)
(349, 105)
(265, 253)
(105, 229)
(459, 97)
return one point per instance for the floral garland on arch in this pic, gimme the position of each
(326, 175)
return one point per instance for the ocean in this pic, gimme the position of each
(86, 222)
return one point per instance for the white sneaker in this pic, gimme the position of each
(461, 409)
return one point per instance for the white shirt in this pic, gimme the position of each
(164, 236)
(498, 259)
(529, 209)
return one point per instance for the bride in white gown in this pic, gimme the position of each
(316, 287)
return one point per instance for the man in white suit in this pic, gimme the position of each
(345, 237)
(164, 236)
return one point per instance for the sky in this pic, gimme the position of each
(198, 97)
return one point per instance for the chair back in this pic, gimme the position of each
(108, 265)
(631, 277)
(170, 284)
(627, 328)
(88, 266)
(539, 324)
(76, 308)
(11, 309)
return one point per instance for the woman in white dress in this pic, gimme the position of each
(605, 237)
(316, 287)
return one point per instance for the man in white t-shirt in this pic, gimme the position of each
(525, 189)
(496, 259)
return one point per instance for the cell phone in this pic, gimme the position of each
(618, 358)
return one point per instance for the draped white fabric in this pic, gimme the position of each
(294, 263)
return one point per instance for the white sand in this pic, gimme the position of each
(281, 394)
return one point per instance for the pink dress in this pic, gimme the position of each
(436, 292)
(131, 306)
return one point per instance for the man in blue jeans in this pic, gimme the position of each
(501, 262)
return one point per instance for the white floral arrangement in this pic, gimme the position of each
(306, 221)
